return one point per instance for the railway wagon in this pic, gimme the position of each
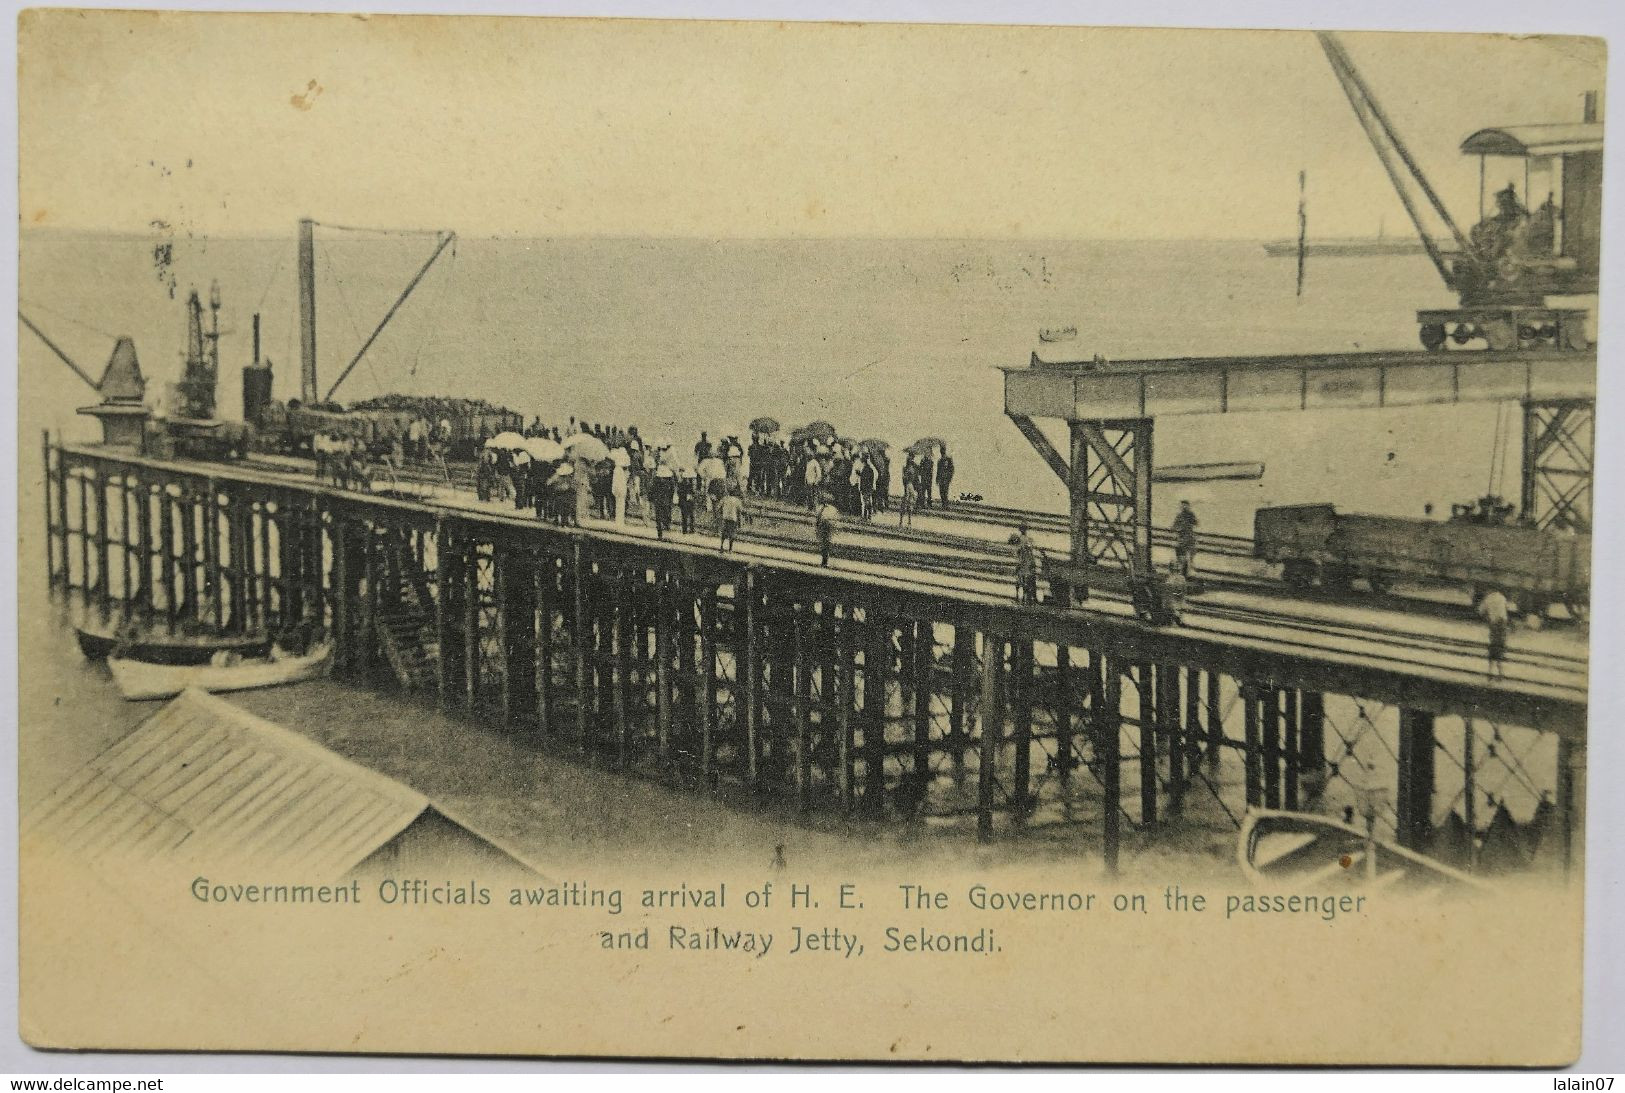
(1535, 568)
(290, 429)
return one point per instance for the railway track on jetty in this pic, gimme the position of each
(940, 557)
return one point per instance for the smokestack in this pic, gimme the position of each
(1590, 107)
(307, 311)
(256, 338)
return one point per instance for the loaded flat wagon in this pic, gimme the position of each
(1535, 567)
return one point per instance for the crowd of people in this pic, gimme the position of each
(564, 479)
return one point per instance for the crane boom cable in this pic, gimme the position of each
(377, 231)
(67, 360)
(446, 239)
(1400, 147)
(1385, 141)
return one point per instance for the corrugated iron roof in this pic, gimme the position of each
(1556, 139)
(204, 782)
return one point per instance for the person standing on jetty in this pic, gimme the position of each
(926, 478)
(827, 517)
(1185, 538)
(685, 499)
(945, 474)
(1494, 609)
(1026, 566)
(731, 509)
(662, 492)
(813, 478)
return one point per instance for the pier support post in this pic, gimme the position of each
(1293, 747)
(920, 669)
(470, 602)
(1250, 743)
(62, 515)
(1414, 799)
(749, 666)
(1168, 713)
(1571, 803)
(799, 701)
(961, 696)
(84, 480)
(1106, 721)
(707, 696)
(620, 660)
(1146, 686)
(1063, 714)
(877, 663)
(1269, 708)
(517, 575)
(665, 649)
(1021, 696)
(166, 553)
(104, 584)
(846, 647)
(580, 636)
(545, 572)
(992, 729)
(187, 503)
(1312, 743)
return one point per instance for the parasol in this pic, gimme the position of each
(927, 442)
(544, 448)
(765, 425)
(620, 457)
(712, 468)
(873, 444)
(585, 446)
(819, 429)
(506, 441)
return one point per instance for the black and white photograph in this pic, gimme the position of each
(731, 540)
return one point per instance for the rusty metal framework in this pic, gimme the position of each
(836, 694)
(1110, 489)
(1559, 442)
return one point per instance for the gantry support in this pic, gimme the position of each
(1559, 439)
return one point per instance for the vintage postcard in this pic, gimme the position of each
(804, 541)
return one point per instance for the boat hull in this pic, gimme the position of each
(1297, 848)
(174, 649)
(139, 680)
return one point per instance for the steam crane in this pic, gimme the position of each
(1518, 256)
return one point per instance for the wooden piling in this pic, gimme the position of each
(1145, 684)
(992, 719)
(1107, 719)
(1413, 802)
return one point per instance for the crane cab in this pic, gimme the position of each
(1538, 237)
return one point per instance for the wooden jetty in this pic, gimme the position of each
(862, 692)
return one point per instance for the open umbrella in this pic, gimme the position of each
(765, 425)
(506, 441)
(821, 429)
(544, 448)
(712, 468)
(873, 444)
(585, 446)
(620, 457)
(925, 442)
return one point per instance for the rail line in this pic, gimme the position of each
(959, 556)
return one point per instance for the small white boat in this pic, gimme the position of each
(138, 679)
(1300, 848)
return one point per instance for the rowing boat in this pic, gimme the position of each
(1300, 848)
(160, 648)
(140, 680)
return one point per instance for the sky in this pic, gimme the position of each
(239, 124)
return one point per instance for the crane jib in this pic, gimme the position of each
(446, 240)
